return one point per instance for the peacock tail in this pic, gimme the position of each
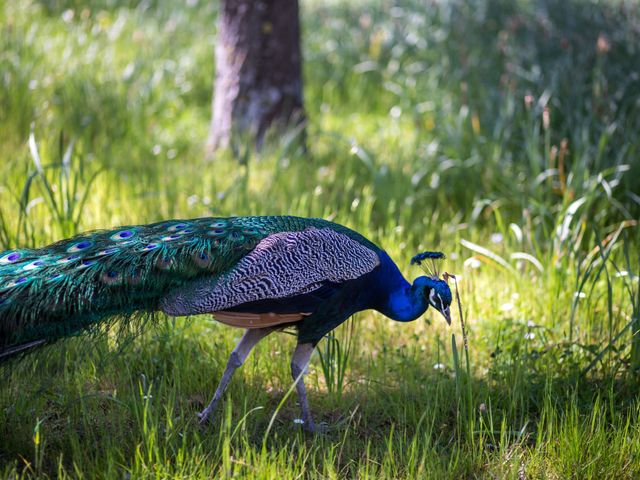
(60, 289)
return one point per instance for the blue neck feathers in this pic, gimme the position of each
(395, 297)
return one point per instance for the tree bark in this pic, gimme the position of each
(258, 70)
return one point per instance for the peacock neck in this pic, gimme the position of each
(397, 298)
(406, 304)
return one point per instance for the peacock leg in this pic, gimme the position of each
(239, 354)
(299, 362)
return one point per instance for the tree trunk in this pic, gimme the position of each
(258, 70)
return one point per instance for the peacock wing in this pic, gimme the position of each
(282, 265)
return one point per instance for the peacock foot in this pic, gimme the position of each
(320, 428)
(312, 427)
(204, 417)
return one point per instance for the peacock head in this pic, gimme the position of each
(435, 289)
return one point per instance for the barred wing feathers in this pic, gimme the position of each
(282, 265)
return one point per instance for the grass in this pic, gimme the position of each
(503, 133)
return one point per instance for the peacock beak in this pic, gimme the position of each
(446, 313)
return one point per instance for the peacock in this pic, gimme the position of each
(261, 274)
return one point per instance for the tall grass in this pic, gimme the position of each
(502, 133)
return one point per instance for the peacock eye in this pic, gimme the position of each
(441, 302)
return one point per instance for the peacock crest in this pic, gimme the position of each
(429, 263)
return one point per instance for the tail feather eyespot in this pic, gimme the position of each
(69, 259)
(219, 224)
(134, 278)
(122, 235)
(107, 251)
(11, 257)
(34, 265)
(54, 278)
(164, 263)
(80, 246)
(201, 259)
(111, 277)
(177, 227)
(149, 247)
(170, 238)
(15, 283)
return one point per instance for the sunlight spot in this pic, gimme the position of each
(432, 148)
(192, 200)
(472, 262)
(128, 71)
(528, 100)
(67, 16)
(324, 172)
(507, 307)
(624, 273)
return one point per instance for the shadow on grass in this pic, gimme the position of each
(98, 413)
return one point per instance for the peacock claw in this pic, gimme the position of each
(204, 417)
(322, 428)
(318, 428)
(312, 427)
